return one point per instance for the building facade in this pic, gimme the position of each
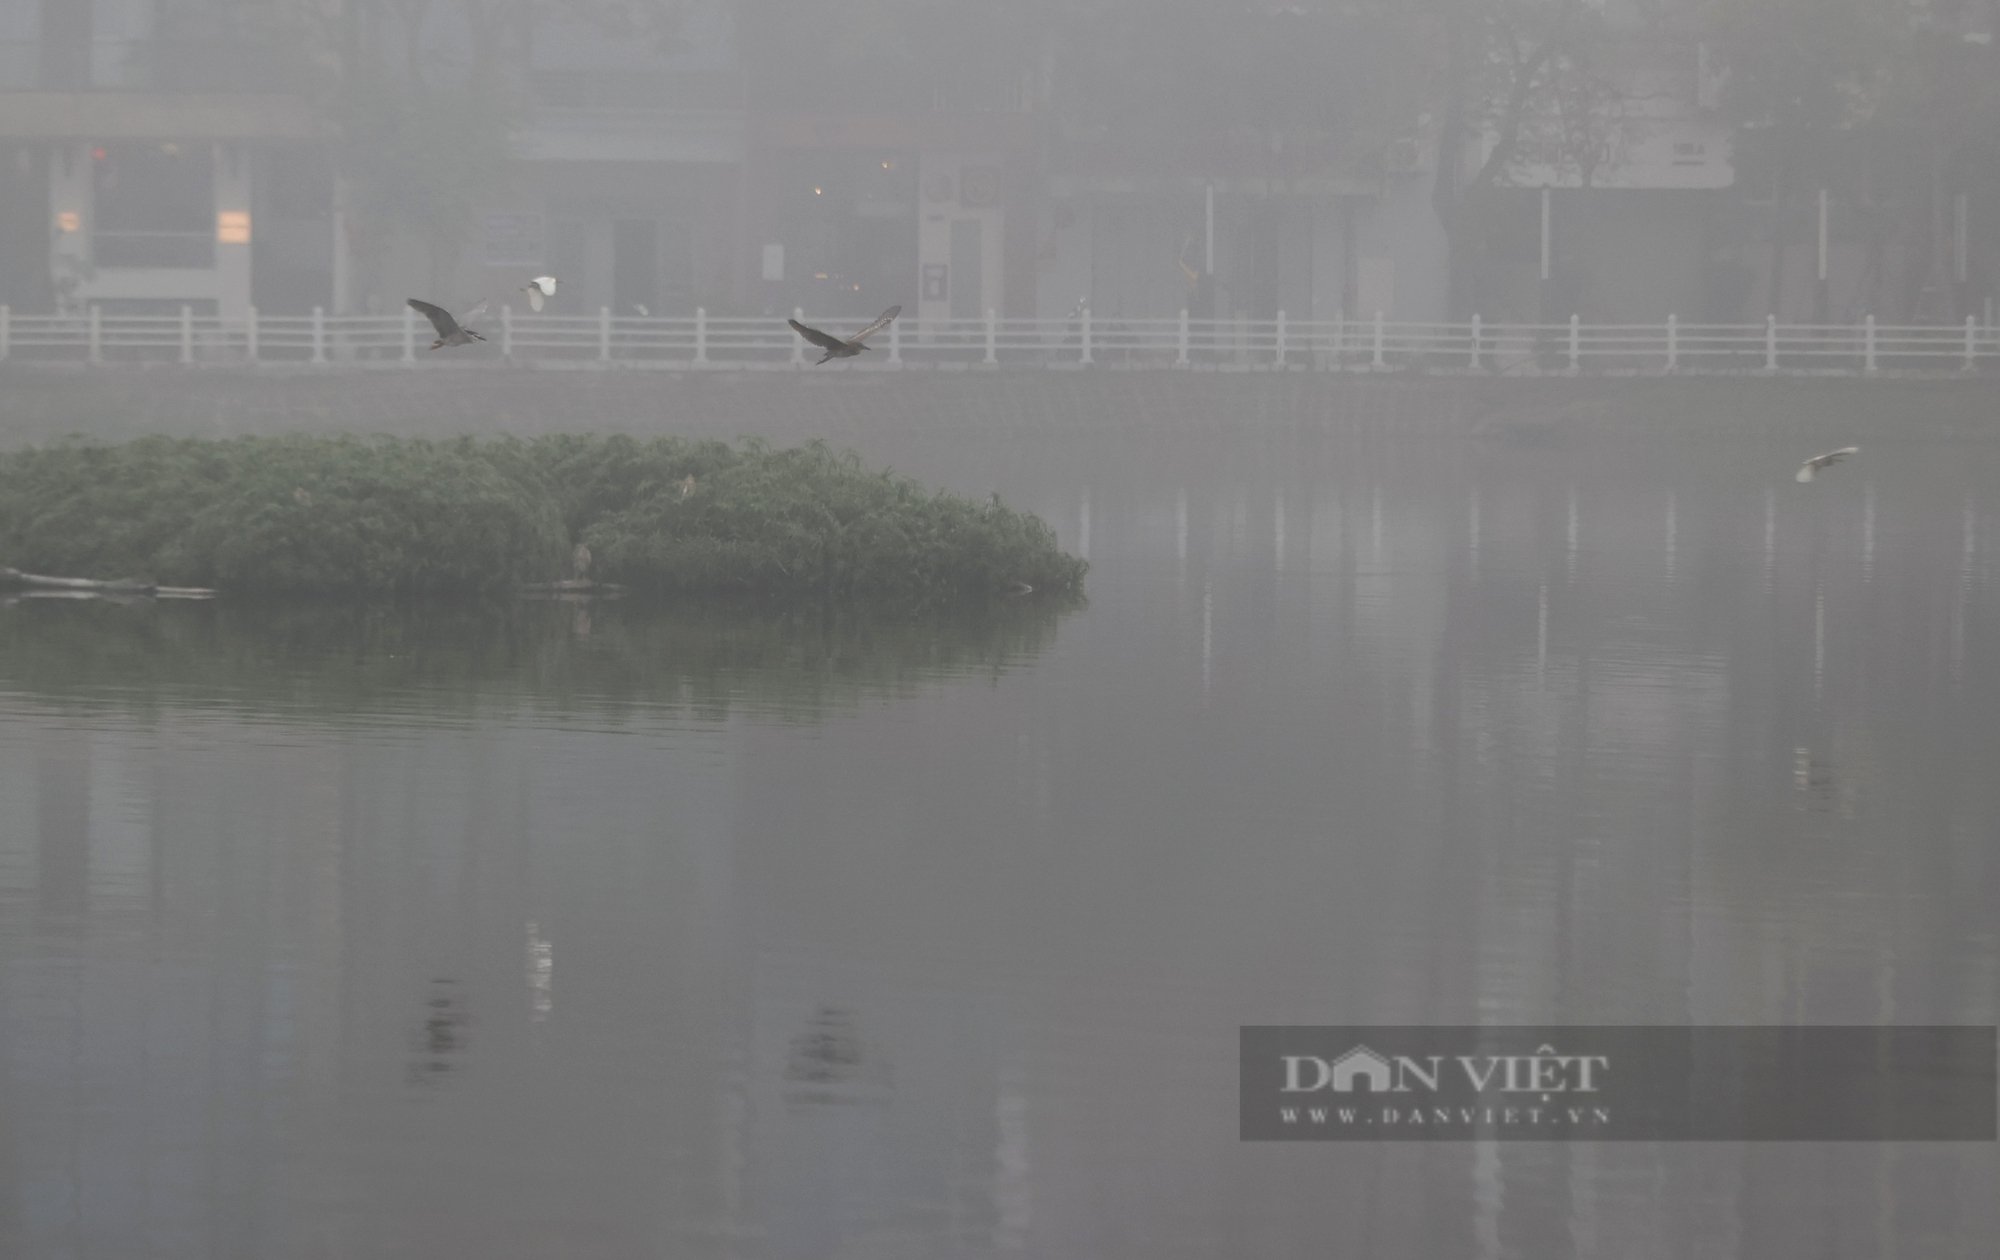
(151, 159)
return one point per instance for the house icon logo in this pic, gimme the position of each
(1363, 1064)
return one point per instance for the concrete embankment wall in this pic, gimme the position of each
(44, 403)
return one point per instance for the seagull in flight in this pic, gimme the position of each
(448, 331)
(836, 348)
(1817, 462)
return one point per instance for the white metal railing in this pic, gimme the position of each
(1341, 343)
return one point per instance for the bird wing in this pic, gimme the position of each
(1821, 461)
(440, 318)
(536, 297)
(881, 321)
(1805, 472)
(544, 285)
(477, 308)
(814, 335)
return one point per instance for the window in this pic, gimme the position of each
(154, 204)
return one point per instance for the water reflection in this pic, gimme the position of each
(441, 1042)
(891, 940)
(609, 659)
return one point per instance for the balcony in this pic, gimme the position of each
(206, 66)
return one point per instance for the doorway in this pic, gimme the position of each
(967, 257)
(635, 265)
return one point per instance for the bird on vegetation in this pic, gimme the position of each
(687, 485)
(1817, 462)
(540, 290)
(836, 348)
(448, 330)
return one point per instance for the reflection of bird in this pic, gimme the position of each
(1817, 462)
(836, 348)
(448, 331)
(539, 290)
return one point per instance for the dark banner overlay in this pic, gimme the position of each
(1649, 1084)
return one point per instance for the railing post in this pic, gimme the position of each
(1971, 342)
(1673, 343)
(319, 334)
(96, 334)
(604, 334)
(1279, 360)
(507, 331)
(895, 342)
(1868, 343)
(701, 334)
(1475, 341)
(409, 335)
(187, 333)
(1575, 342)
(1086, 334)
(1770, 343)
(1339, 335)
(799, 346)
(250, 334)
(1181, 354)
(6, 331)
(992, 336)
(1379, 361)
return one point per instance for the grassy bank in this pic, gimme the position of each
(361, 516)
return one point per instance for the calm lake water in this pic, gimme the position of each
(717, 933)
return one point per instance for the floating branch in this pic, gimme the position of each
(15, 580)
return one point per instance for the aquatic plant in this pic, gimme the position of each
(348, 516)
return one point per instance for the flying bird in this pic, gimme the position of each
(1817, 462)
(836, 348)
(448, 330)
(540, 290)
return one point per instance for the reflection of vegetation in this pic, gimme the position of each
(604, 660)
(352, 516)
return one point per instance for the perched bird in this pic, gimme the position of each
(687, 485)
(836, 348)
(449, 333)
(539, 290)
(579, 561)
(1817, 462)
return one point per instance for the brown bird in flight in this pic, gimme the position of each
(1817, 462)
(836, 348)
(449, 333)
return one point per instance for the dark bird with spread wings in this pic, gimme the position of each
(836, 348)
(449, 333)
(1817, 462)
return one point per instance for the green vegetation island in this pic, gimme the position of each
(384, 516)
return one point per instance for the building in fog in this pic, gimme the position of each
(151, 157)
(1617, 205)
(628, 178)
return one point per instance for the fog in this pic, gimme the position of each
(1140, 156)
(1433, 669)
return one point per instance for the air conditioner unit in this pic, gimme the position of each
(1403, 157)
(979, 186)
